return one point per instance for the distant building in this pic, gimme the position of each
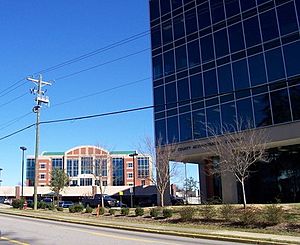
(83, 163)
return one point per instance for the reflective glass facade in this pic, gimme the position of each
(214, 61)
(118, 173)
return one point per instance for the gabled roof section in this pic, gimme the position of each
(121, 152)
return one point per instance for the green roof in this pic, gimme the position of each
(47, 153)
(121, 152)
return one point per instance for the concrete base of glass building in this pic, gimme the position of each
(277, 180)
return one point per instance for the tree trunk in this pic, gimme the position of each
(162, 199)
(244, 193)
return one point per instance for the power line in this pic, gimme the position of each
(99, 65)
(13, 121)
(101, 92)
(12, 100)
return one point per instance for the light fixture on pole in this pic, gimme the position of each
(23, 148)
(133, 165)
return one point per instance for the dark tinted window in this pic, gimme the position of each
(247, 4)
(157, 67)
(295, 101)
(280, 106)
(185, 127)
(178, 24)
(154, 9)
(221, 43)
(269, 27)
(193, 53)
(169, 62)
(159, 98)
(203, 15)
(291, 56)
(257, 69)
(190, 21)
(213, 118)
(244, 111)
(181, 60)
(210, 83)
(199, 124)
(167, 32)
(236, 37)
(165, 7)
(196, 86)
(160, 131)
(183, 91)
(172, 126)
(207, 49)
(232, 7)
(262, 111)
(287, 18)
(225, 78)
(156, 37)
(171, 95)
(274, 64)
(217, 10)
(240, 74)
(252, 32)
(176, 3)
(228, 115)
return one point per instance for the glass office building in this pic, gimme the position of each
(218, 60)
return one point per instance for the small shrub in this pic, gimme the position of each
(112, 211)
(125, 211)
(60, 209)
(154, 212)
(167, 213)
(72, 209)
(187, 213)
(77, 208)
(88, 209)
(249, 217)
(50, 206)
(101, 210)
(227, 212)
(42, 205)
(273, 214)
(208, 212)
(139, 211)
(17, 203)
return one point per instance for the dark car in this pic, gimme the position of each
(65, 204)
(108, 201)
(175, 200)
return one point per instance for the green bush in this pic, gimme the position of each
(17, 203)
(112, 211)
(125, 211)
(227, 212)
(187, 213)
(154, 212)
(42, 205)
(139, 211)
(249, 217)
(208, 212)
(77, 208)
(167, 213)
(273, 214)
(50, 206)
(101, 210)
(60, 209)
(88, 209)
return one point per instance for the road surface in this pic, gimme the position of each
(23, 231)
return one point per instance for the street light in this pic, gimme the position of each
(133, 165)
(23, 148)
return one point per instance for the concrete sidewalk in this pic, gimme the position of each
(222, 234)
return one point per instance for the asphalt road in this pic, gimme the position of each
(22, 230)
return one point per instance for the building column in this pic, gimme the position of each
(229, 188)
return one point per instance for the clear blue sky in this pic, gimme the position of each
(36, 35)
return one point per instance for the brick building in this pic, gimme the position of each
(87, 165)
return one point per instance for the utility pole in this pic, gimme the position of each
(40, 99)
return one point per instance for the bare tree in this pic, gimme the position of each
(237, 147)
(162, 171)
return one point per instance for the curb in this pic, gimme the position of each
(227, 238)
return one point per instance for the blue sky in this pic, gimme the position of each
(36, 35)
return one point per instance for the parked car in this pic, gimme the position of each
(175, 200)
(65, 204)
(7, 201)
(96, 200)
(47, 200)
